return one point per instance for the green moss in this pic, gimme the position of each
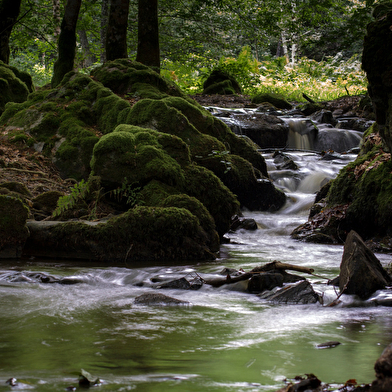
(221, 203)
(13, 216)
(278, 100)
(155, 192)
(136, 156)
(220, 82)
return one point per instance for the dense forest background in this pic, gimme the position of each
(196, 36)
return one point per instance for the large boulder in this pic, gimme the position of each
(140, 234)
(13, 229)
(278, 100)
(383, 368)
(14, 85)
(361, 273)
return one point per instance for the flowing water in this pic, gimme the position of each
(225, 340)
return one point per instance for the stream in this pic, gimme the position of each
(226, 340)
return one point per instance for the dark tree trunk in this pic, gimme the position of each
(116, 39)
(9, 12)
(66, 42)
(104, 26)
(89, 58)
(148, 34)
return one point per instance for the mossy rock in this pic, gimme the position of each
(155, 192)
(47, 201)
(220, 82)
(134, 154)
(13, 89)
(13, 230)
(17, 187)
(124, 76)
(147, 234)
(278, 100)
(199, 210)
(309, 108)
(220, 202)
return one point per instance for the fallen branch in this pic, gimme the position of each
(228, 279)
(277, 265)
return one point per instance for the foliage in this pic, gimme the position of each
(68, 202)
(128, 192)
(321, 80)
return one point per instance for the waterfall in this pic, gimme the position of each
(302, 134)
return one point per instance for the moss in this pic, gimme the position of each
(17, 187)
(155, 192)
(136, 156)
(221, 203)
(365, 186)
(220, 82)
(278, 100)
(13, 216)
(125, 76)
(12, 88)
(143, 233)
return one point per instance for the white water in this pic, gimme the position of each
(226, 340)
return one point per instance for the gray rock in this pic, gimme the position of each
(265, 281)
(361, 273)
(155, 299)
(300, 293)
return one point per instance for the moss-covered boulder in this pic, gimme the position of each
(140, 234)
(66, 122)
(13, 230)
(278, 100)
(160, 165)
(359, 199)
(14, 85)
(221, 82)
(124, 76)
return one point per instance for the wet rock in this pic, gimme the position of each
(283, 161)
(295, 294)
(383, 368)
(158, 300)
(330, 344)
(239, 223)
(361, 273)
(182, 284)
(324, 117)
(265, 281)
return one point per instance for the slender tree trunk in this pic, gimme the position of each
(116, 39)
(66, 42)
(104, 26)
(148, 34)
(284, 45)
(9, 12)
(56, 18)
(89, 58)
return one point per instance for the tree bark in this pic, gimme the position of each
(9, 12)
(148, 34)
(88, 57)
(116, 38)
(104, 27)
(66, 42)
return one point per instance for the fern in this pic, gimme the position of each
(67, 202)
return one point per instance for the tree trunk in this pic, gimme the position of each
(56, 18)
(116, 38)
(88, 57)
(148, 34)
(104, 26)
(66, 42)
(9, 12)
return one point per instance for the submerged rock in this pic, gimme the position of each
(361, 273)
(155, 299)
